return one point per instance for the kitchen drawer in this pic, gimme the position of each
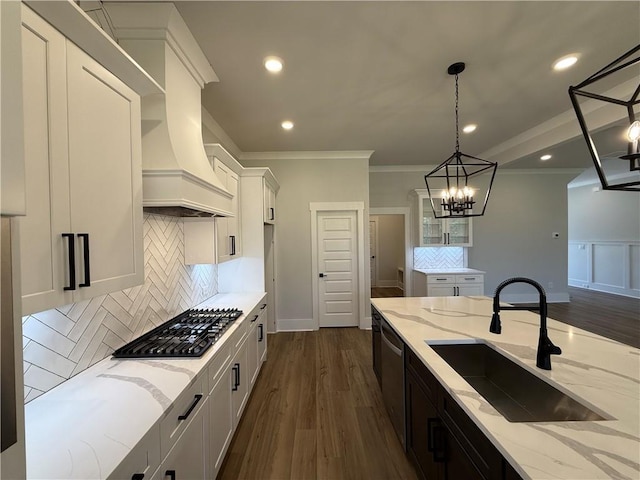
(143, 459)
(181, 413)
(477, 446)
(473, 278)
(426, 378)
(218, 365)
(441, 279)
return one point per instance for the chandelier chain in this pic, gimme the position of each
(457, 127)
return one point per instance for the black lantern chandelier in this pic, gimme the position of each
(629, 108)
(460, 178)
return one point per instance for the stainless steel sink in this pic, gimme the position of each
(516, 393)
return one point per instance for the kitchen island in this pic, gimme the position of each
(599, 373)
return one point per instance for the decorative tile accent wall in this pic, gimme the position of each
(439, 257)
(62, 342)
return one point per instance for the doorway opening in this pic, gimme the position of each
(388, 254)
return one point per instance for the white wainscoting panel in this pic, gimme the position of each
(62, 342)
(606, 266)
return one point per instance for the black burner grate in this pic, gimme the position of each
(189, 334)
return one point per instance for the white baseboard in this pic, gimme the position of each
(296, 325)
(598, 287)
(561, 297)
(365, 324)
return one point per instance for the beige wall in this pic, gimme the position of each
(305, 180)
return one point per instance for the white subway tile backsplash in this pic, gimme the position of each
(438, 257)
(62, 342)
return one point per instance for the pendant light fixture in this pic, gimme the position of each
(456, 183)
(624, 144)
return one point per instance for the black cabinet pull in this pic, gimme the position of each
(262, 307)
(272, 213)
(72, 261)
(87, 266)
(137, 476)
(261, 331)
(236, 377)
(171, 474)
(444, 238)
(254, 318)
(440, 444)
(186, 414)
(233, 244)
(430, 441)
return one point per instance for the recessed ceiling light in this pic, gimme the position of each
(545, 157)
(273, 64)
(287, 125)
(565, 62)
(469, 128)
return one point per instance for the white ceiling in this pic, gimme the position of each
(372, 75)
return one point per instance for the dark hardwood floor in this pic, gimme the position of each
(386, 292)
(316, 412)
(612, 316)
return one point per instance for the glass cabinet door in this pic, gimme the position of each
(459, 231)
(432, 228)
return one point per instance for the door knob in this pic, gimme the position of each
(322, 275)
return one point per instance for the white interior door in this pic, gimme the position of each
(373, 245)
(337, 269)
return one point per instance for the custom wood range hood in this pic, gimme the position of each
(178, 179)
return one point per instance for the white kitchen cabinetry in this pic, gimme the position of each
(216, 240)
(269, 202)
(220, 411)
(257, 343)
(188, 457)
(432, 231)
(455, 285)
(239, 381)
(82, 235)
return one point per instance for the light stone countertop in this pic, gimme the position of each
(598, 372)
(86, 426)
(448, 271)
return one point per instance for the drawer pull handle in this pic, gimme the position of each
(263, 306)
(171, 474)
(186, 414)
(469, 278)
(441, 279)
(261, 332)
(87, 260)
(137, 476)
(72, 261)
(254, 319)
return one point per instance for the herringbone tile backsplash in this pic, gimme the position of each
(62, 342)
(438, 257)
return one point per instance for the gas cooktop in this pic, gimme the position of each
(189, 334)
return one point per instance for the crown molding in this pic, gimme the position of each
(308, 155)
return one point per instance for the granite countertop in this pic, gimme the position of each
(448, 271)
(598, 372)
(86, 426)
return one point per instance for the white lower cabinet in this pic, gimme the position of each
(191, 440)
(220, 420)
(239, 376)
(188, 458)
(455, 285)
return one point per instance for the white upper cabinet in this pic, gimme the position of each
(269, 202)
(436, 232)
(209, 240)
(82, 235)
